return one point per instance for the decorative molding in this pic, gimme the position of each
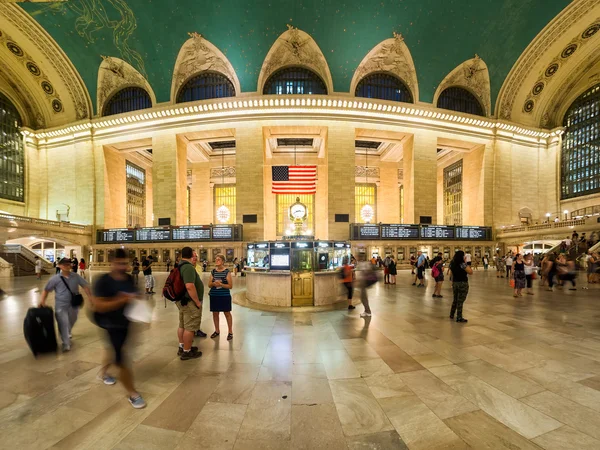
(115, 74)
(366, 172)
(472, 75)
(222, 172)
(63, 68)
(535, 52)
(22, 98)
(295, 48)
(392, 56)
(197, 55)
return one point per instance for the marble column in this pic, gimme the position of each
(340, 182)
(420, 177)
(169, 178)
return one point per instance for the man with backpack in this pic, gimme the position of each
(421, 266)
(185, 288)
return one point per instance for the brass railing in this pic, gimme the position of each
(543, 226)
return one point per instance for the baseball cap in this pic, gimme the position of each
(65, 261)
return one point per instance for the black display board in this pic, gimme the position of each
(115, 235)
(437, 232)
(399, 231)
(152, 234)
(192, 233)
(473, 233)
(223, 233)
(366, 232)
(279, 258)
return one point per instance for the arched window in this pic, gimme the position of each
(459, 99)
(580, 156)
(294, 80)
(126, 100)
(12, 154)
(205, 85)
(385, 87)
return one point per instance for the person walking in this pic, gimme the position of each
(366, 278)
(499, 267)
(592, 265)
(220, 296)
(421, 264)
(348, 281)
(393, 270)
(550, 270)
(74, 264)
(508, 263)
(168, 262)
(437, 272)
(56, 268)
(413, 263)
(38, 268)
(148, 278)
(82, 267)
(135, 270)
(65, 286)
(386, 270)
(112, 293)
(566, 271)
(529, 272)
(518, 271)
(190, 306)
(460, 285)
(486, 262)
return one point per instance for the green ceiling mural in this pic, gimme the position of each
(439, 33)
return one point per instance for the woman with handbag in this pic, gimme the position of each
(518, 273)
(529, 272)
(67, 299)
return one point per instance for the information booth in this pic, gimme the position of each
(295, 273)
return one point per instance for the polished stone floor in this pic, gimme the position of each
(522, 374)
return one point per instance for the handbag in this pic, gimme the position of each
(512, 283)
(76, 299)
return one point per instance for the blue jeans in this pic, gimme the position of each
(66, 316)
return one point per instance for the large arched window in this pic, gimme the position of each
(385, 87)
(204, 86)
(458, 99)
(580, 156)
(12, 154)
(294, 80)
(126, 100)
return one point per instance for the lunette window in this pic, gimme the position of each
(294, 80)
(126, 100)
(461, 100)
(384, 86)
(204, 86)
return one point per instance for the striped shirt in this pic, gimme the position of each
(222, 277)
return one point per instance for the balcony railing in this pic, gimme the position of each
(543, 226)
(53, 223)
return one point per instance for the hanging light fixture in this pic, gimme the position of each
(367, 212)
(223, 213)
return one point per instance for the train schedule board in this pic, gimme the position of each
(115, 235)
(152, 234)
(473, 233)
(364, 232)
(192, 233)
(399, 231)
(437, 232)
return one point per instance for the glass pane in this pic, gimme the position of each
(12, 153)
(126, 100)
(283, 203)
(136, 195)
(204, 86)
(385, 87)
(453, 194)
(365, 194)
(294, 80)
(461, 100)
(224, 195)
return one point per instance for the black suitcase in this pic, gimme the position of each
(38, 329)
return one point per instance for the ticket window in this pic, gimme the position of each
(143, 254)
(389, 252)
(435, 251)
(446, 253)
(111, 255)
(362, 254)
(375, 252)
(131, 254)
(155, 254)
(400, 254)
(477, 252)
(488, 251)
(413, 252)
(100, 256)
(203, 254)
(469, 250)
(166, 254)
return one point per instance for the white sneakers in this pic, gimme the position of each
(365, 314)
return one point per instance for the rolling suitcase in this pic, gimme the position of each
(38, 329)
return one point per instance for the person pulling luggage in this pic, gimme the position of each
(67, 299)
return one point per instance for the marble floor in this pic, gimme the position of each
(524, 373)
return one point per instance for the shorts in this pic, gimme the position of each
(420, 272)
(117, 338)
(439, 278)
(149, 279)
(190, 316)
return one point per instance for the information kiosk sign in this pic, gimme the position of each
(399, 231)
(152, 234)
(192, 233)
(437, 232)
(115, 235)
(472, 233)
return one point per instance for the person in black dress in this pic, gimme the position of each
(460, 285)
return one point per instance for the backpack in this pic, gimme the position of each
(435, 271)
(174, 289)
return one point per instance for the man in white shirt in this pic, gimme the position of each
(468, 258)
(568, 242)
(38, 268)
(509, 263)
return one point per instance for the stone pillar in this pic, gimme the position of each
(35, 179)
(169, 178)
(250, 179)
(115, 190)
(341, 165)
(201, 195)
(420, 177)
(388, 193)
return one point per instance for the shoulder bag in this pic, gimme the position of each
(76, 299)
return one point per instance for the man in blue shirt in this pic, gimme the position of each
(421, 265)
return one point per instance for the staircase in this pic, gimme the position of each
(22, 260)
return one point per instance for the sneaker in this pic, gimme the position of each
(66, 348)
(107, 379)
(351, 307)
(180, 350)
(572, 289)
(451, 316)
(461, 320)
(414, 284)
(365, 314)
(137, 402)
(192, 354)
(200, 333)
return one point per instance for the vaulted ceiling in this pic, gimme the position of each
(440, 34)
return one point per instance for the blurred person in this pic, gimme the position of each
(486, 262)
(468, 258)
(367, 276)
(135, 270)
(499, 268)
(413, 263)
(460, 285)
(112, 293)
(529, 272)
(82, 267)
(348, 280)
(392, 270)
(148, 278)
(437, 272)
(220, 285)
(386, 270)
(65, 286)
(38, 268)
(190, 306)
(518, 271)
(566, 271)
(508, 263)
(549, 269)
(421, 265)
(592, 266)
(168, 263)
(74, 264)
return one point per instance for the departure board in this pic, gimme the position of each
(472, 233)
(368, 232)
(399, 231)
(191, 233)
(222, 233)
(152, 234)
(115, 235)
(437, 232)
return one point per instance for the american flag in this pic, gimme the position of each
(294, 179)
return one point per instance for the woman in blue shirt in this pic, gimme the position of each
(220, 285)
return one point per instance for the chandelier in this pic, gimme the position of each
(223, 213)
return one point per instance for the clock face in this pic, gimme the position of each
(298, 211)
